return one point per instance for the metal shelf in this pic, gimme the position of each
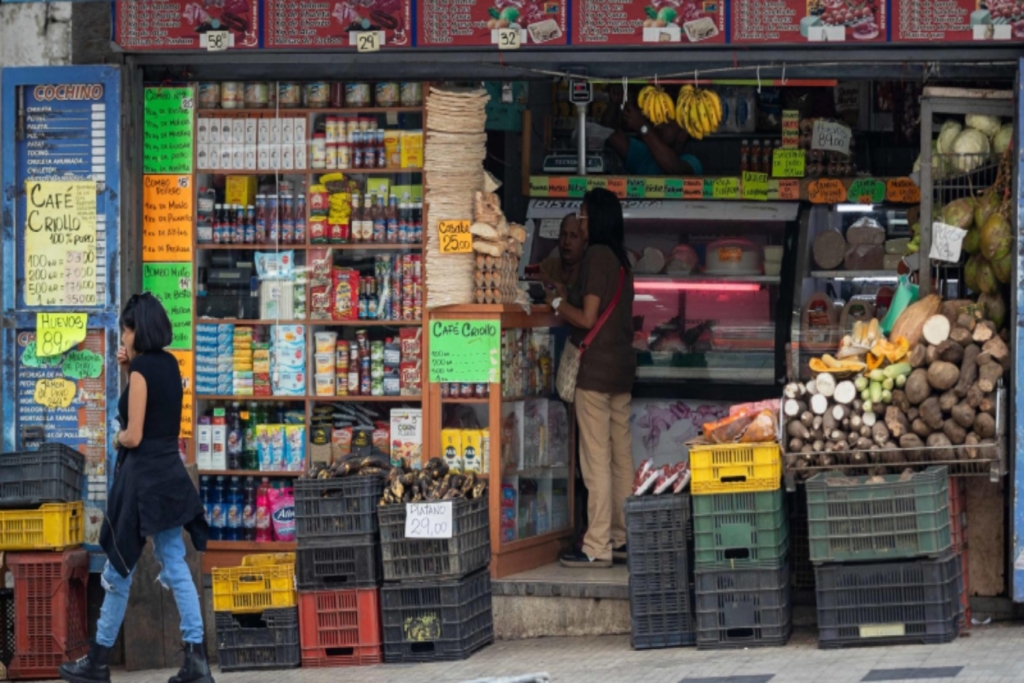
(851, 274)
(710, 277)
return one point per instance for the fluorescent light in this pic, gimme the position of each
(855, 208)
(649, 286)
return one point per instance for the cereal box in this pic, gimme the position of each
(407, 437)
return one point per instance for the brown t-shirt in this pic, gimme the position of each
(609, 364)
(551, 268)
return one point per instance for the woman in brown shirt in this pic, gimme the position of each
(605, 380)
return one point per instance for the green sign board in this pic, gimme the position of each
(167, 130)
(465, 351)
(172, 284)
(866, 191)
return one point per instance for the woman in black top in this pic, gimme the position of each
(152, 495)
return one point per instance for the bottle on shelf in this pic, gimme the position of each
(273, 220)
(404, 211)
(745, 155)
(417, 223)
(250, 450)
(205, 486)
(249, 231)
(380, 221)
(300, 219)
(287, 209)
(391, 217)
(217, 520)
(366, 233)
(236, 438)
(234, 510)
(355, 219)
(264, 533)
(249, 510)
(261, 219)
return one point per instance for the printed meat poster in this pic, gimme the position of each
(648, 22)
(300, 24)
(808, 21)
(957, 20)
(443, 23)
(183, 24)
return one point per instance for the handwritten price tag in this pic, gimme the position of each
(947, 241)
(217, 41)
(755, 186)
(826, 191)
(788, 163)
(368, 41)
(59, 332)
(902, 191)
(726, 188)
(455, 237)
(55, 393)
(867, 191)
(428, 520)
(831, 136)
(510, 38)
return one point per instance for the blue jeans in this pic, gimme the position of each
(169, 548)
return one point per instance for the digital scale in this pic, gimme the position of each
(569, 163)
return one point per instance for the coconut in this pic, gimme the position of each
(971, 272)
(996, 237)
(972, 241)
(985, 206)
(1002, 268)
(987, 283)
(994, 307)
(959, 212)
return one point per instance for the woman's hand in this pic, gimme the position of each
(122, 358)
(561, 291)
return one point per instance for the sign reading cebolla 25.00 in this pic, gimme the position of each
(428, 520)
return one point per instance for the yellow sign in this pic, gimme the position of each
(60, 243)
(455, 237)
(167, 215)
(55, 393)
(185, 368)
(755, 186)
(725, 188)
(789, 163)
(59, 332)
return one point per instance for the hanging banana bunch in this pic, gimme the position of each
(656, 104)
(697, 111)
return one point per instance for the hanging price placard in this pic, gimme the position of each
(510, 38)
(367, 41)
(455, 237)
(428, 520)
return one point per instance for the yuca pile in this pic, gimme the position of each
(453, 159)
(498, 246)
(927, 396)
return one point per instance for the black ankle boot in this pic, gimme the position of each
(93, 668)
(196, 668)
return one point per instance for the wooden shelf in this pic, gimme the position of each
(859, 274)
(273, 112)
(246, 321)
(369, 246)
(468, 401)
(247, 473)
(366, 399)
(233, 398)
(391, 170)
(365, 323)
(347, 246)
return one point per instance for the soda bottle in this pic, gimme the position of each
(236, 438)
(234, 510)
(287, 211)
(403, 221)
(300, 219)
(380, 221)
(261, 219)
(238, 221)
(250, 451)
(391, 217)
(204, 494)
(249, 510)
(274, 220)
(218, 227)
(217, 519)
(417, 223)
(264, 533)
(250, 225)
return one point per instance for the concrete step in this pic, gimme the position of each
(558, 601)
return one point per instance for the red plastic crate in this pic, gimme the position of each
(50, 611)
(958, 512)
(340, 628)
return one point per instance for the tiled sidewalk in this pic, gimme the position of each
(993, 654)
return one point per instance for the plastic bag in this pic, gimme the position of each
(761, 429)
(668, 476)
(646, 475)
(282, 513)
(905, 295)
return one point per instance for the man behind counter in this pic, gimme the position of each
(658, 150)
(562, 267)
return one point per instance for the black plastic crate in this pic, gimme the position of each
(356, 564)
(659, 538)
(53, 474)
(7, 622)
(913, 601)
(740, 608)
(467, 550)
(269, 640)
(435, 621)
(801, 570)
(329, 509)
(661, 618)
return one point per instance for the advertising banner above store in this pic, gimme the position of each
(542, 23)
(185, 24)
(957, 20)
(661, 23)
(302, 24)
(808, 21)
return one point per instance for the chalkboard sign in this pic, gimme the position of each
(167, 130)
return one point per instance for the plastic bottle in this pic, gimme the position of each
(249, 510)
(261, 219)
(204, 494)
(300, 219)
(391, 216)
(234, 510)
(217, 518)
(236, 438)
(264, 532)
(250, 451)
(417, 224)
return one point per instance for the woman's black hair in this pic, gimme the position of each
(145, 316)
(604, 222)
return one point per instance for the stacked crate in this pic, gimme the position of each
(436, 599)
(339, 570)
(958, 535)
(741, 546)
(41, 510)
(256, 617)
(659, 538)
(885, 568)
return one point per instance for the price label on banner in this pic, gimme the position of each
(368, 41)
(217, 41)
(455, 237)
(510, 38)
(428, 520)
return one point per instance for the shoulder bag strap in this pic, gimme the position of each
(604, 316)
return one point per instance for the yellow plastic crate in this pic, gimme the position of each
(262, 582)
(54, 526)
(734, 467)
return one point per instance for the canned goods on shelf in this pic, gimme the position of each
(289, 95)
(317, 94)
(232, 95)
(386, 94)
(257, 94)
(209, 95)
(411, 94)
(357, 94)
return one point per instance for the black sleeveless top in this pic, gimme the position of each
(163, 395)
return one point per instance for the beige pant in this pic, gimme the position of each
(606, 460)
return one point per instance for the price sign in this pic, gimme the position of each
(217, 41)
(789, 163)
(59, 332)
(558, 186)
(577, 186)
(726, 188)
(867, 191)
(509, 38)
(455, 237)
(831, 136)
(826, 191)
(636, 188)
(654, 188)
(693, 188)
(789, 190)
(617, 186)
(790, 129)
(55, 393)
(428, 520)
(902, 191)
(673, 188)
(755, 186)
(367, 41)
(947, 241)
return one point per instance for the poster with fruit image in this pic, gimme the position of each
(957, 20)
(183, 24)
(335, 23)
(442, 23)
(648, 22)
(808, 21)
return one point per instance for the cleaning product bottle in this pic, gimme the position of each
(249, 510)
(263, 530)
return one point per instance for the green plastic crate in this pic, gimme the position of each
(740, 530)
(904, 516)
